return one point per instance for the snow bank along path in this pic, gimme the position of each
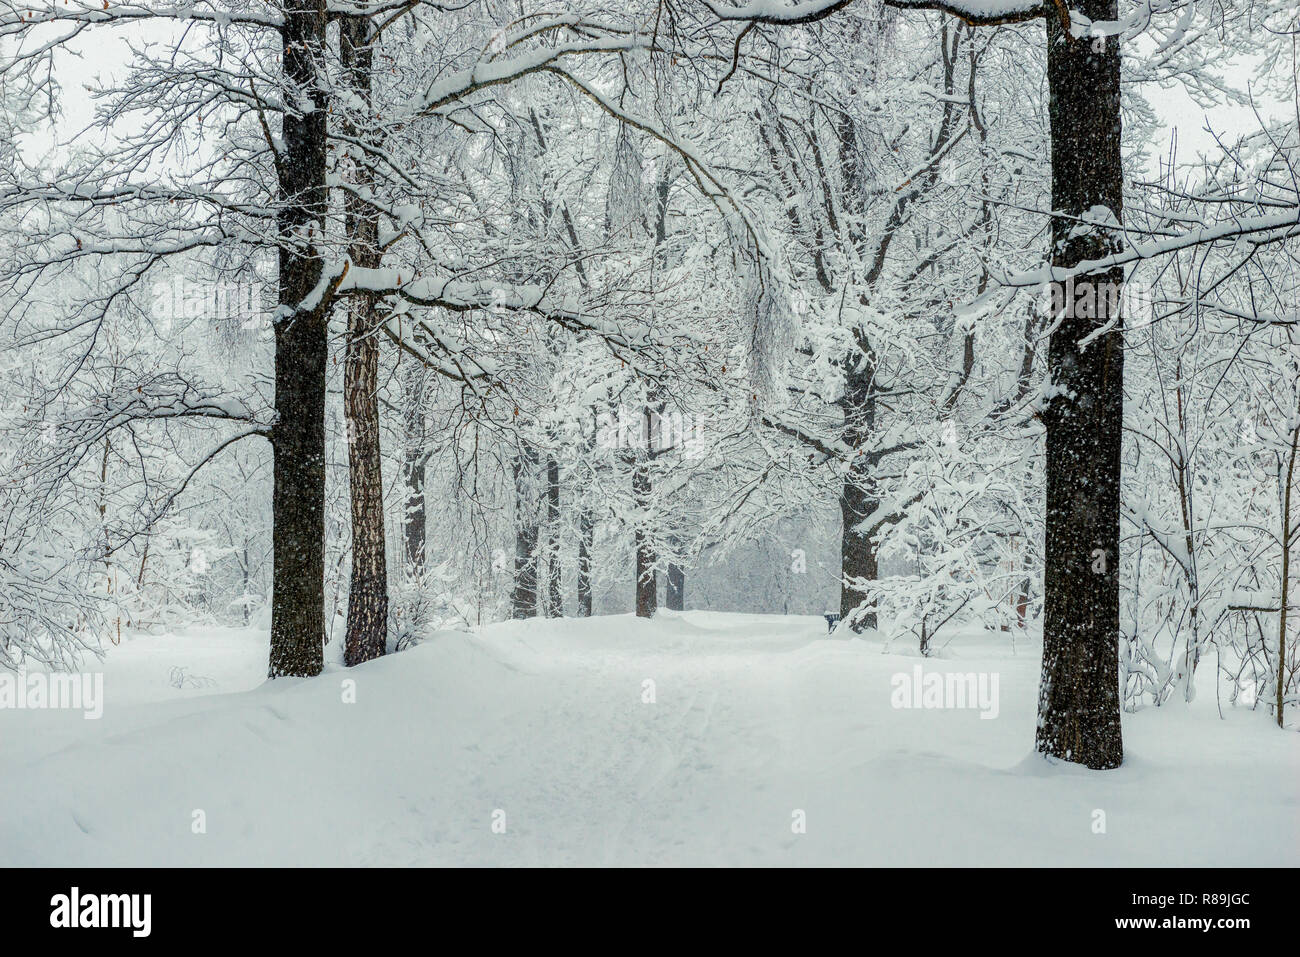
(758, 724)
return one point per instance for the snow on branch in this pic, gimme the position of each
(14, 20)
(975, 12)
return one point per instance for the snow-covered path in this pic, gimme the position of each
(756, 723)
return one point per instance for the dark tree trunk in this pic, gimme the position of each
(554, 603)
(857, 552)
(675, 592)
(858, 499)
(586, 536)
(1078, 704)
(367, 629)
(523, 601)
(647, 584)
(298, 436)
(368, 593)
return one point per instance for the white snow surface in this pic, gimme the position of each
(755, 718)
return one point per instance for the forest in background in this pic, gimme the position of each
(365, 319)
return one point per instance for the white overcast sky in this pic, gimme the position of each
(100, 56)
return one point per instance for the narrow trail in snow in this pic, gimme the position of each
(540, 743)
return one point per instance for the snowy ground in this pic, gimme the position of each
(755, 719)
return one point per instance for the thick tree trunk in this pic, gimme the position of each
(298, 436)
(586, 537)
(523, 601)
(368, 593)
(675, 593)
(367, 630)
(858, 500)
(857, 552)
(554, 603)
(647, 583)
(1078, 704)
